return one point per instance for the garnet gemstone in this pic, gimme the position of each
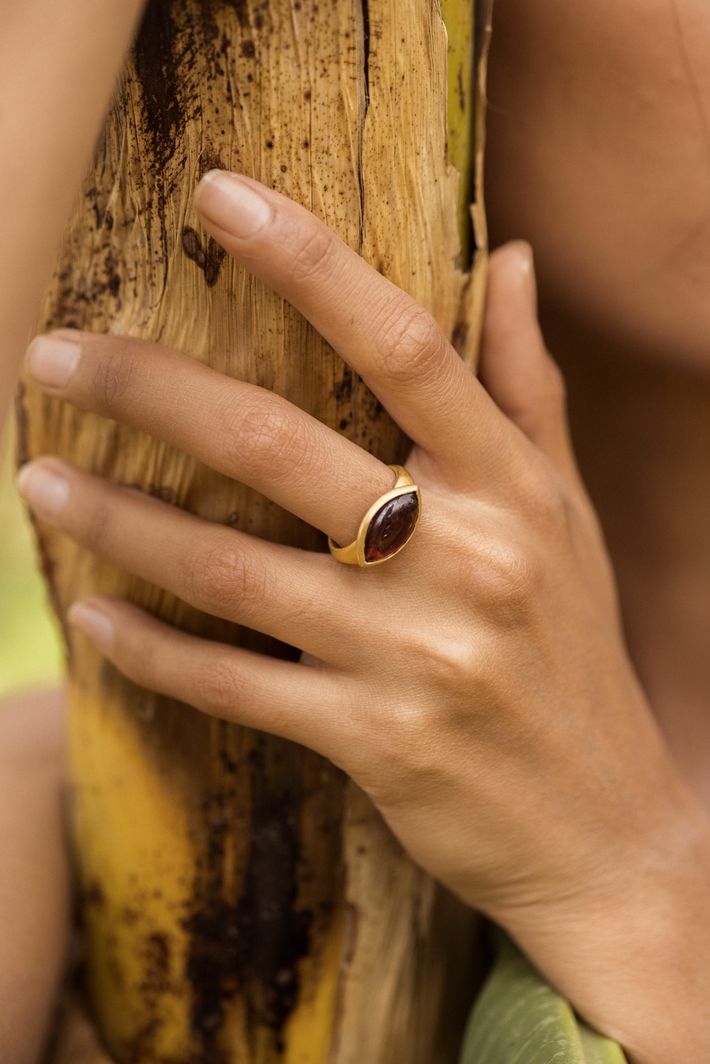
(391, 526)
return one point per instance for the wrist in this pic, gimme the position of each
(634, 958)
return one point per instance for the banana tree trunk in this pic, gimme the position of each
(240, 899)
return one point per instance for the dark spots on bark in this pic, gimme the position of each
(157, 71)
(141, 1047)
(269, 143)
(210, 160)
(343, 389)
(114, 969)
(156, 964)
(162, 492)
(350, 934)
(192, 246)
(108, 280)
(248, 49)
(283, 168)
(208, 257)
(459, 336)
(461, 88)
(22, 452)
(249, 944)
(93, 895)
(238, 6)
(365, 7)
(228, 762)
(78, 293)
(366, 49)
(175, 40)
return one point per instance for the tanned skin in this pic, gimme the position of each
(58, 65)
(598, 156)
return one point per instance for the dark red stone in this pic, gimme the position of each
(391, 526)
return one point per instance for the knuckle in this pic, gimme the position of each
(312, 251)
(413, 751)
(411, 344)
(223, 578)
(508, 579)
(96, 526)
(221, 688)
(548, 502)
(443, 659)
(113, 376)
(401, 757)
(451, 662)
(265, 437)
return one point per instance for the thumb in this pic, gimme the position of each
(515, 366)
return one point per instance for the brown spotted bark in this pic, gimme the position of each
(240, 899)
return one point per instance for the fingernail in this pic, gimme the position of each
(232, 204)
(527, 270)
(43, 489)
(52, 360)
(526, 258)
(92, 622)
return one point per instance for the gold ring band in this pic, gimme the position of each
(387, 526)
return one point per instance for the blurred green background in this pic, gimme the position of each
(30, 648)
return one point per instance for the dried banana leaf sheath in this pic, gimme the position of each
(241, 901)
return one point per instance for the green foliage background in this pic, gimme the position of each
(519, 1019)
(30, 648)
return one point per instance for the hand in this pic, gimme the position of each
(484, 698)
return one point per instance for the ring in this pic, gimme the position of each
(387, 526)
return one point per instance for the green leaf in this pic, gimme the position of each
(31, 652)
(519, 1019)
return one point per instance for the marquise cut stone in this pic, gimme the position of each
(391, 526)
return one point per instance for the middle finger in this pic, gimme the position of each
(392, 341)
(239, 429)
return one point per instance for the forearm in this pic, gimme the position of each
(34, 889)
(58, 66)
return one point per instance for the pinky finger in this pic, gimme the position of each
(295, 701)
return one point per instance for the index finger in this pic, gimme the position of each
(395, 345)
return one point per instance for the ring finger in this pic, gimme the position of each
(239, 429)
(284, 592)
